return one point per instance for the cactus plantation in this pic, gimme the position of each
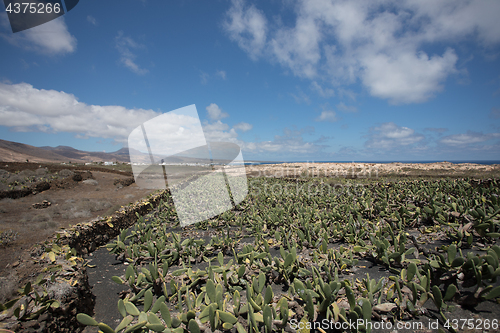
(309, 255)
(287, 257)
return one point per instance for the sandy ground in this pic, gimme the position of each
(78, 202)
(372, 170)
(364, 170)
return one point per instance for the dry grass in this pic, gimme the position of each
(77, 209)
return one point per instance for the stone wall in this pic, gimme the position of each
(70, 287)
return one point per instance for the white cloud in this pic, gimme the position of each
(291, 142)
(393, 131)
(323, 92)
(451, 19)
(347, 93)
(219, 132)
(244, 127)
(204, 77)
(91, 20)
(346, 108)
(216, 126)
(124, 45)
(409, 78)
(327, 116)
(222, 74)
(298, 47)
(25, 108)
(215, 113)
(390, 136)
(381, 43)
(300, 97)
(468, 138)
(51, 38)
(247, 26)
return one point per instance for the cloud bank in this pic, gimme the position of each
(51, 38)
(25, 108)
(383, 44)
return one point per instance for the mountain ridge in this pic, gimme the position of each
(11, 151)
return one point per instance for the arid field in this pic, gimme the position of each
(311, 243)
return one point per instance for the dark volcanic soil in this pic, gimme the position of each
(80, 202)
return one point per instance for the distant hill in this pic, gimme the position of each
(20, 152)
(87, 156)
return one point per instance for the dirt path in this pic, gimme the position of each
(76, 202)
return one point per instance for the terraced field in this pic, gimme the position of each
(314, 255)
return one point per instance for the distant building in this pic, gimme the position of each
(109, 163)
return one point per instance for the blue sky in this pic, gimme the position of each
(285, 80)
